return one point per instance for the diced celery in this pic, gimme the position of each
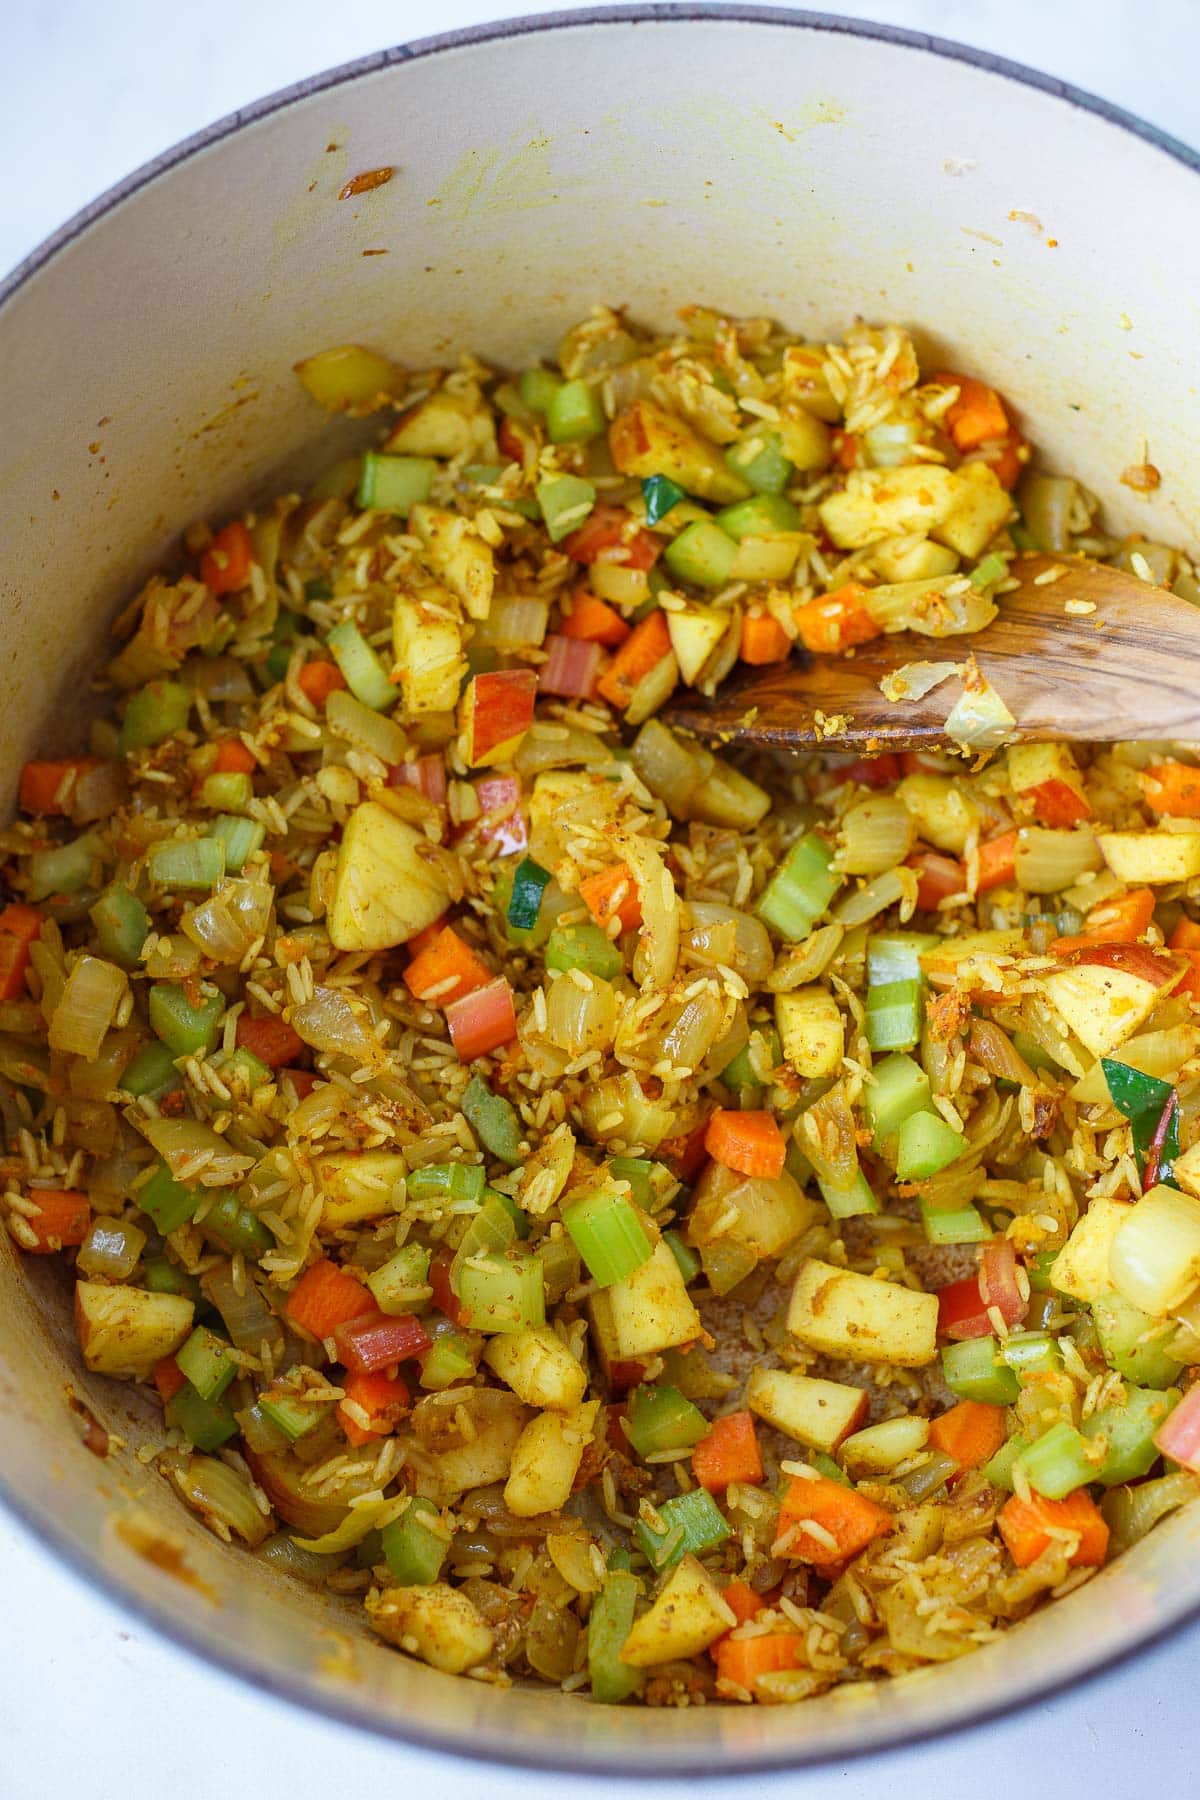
(561, 1267)
(693, 1522)
(155, 712)
(451, 1359)
(583, 946)
(660, 1418)
(151, 1070)
(236, 1227)
(1030, 1353)
(925, 1145)
(245, 1071)
(521, 1222)
(193, 863)
(993, 568)
(394, 483)
(1127, 1429)
(402, 1284)
(528, 885)
(825, 1465)
(206, 1424)
(953, 1225)
(686, 1259)
(239, 838)
(999, 1471)
(184, 1028)
(759, 459)
(574, 413)
(800, 889)
(638, 1171)
(494, 1121)
(228, 791)
(896, 955)
(65, 868)
(760, 516)
(295, 1418)
(898, 1089)
(285, 634)
(206, 1362)
(415, 1544)
(166, 1200)
(538, 387)
(491, 1229)
(1134, 1343)
(121, 923)
(365, 675)
(503, 1293)
(609, 1624)
(849, 1202)
(973, 1370)
(453, 1181)
(1060, 1461)
(565, 502)
(894, 1015)
(606, 1231)
(1039, 1271)
(161, 1276)
(702, 554)
(757, 1059)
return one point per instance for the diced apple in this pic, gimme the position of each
(767, 558)
(912, 558)
(981, 506)
(652, 1309)
(1081, 1266)
(359, 1184)
(1151, 858)
(456, 555)
(645, 439)
(495, 713)
(688, 1614)
(943, 810)
(124, 1331)
(817, 1413)
(448, 423)
(438, 1623)
(388, 884)
(843, 1314)
(546, 1460)
(1104, 1002)
(538, 1367)
(946, 955)
(620, 1372)
(695, 633)
(1031, 765)
(464, 1438)
(427, 643)
(349, 379)
(812, 1029)
(879, 503)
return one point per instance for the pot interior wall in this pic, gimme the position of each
(759, 166)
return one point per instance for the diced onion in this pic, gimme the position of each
(569, 748)
(617, 1108)
(246, 1316)
(363, 725)
(220, 678)
(1048, 861)
(916, 679)
(827, 1139)
(214, 1490)
(87, 1006)
(111, 1249)
(876, 834)
(580, 1019)
(897, 885)
(804, 962)
(689, 1037)
(330, 1023)
(657, 951)
(1154, 1259)
(236, 917)
(979, 719)
(182, 1142)
(946, 606)
(761, 1213)
(1131, 1512)
(653, 690)
(670, 768)
(514, 622)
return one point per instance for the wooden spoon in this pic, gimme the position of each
(1126, 668)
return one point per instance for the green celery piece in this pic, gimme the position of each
(574, 414)
(521, 1222)
(926, 1144)
(205, 1360)
(1142, 1099)
(1039, 1272)
(1134, 1343)
(825, 1465)
(369, 1550)
(415, 1545)
(206, 1424)
(702, 554)
(1127, 1427)
(993, 568)
(161, 1276)
(295, 1418)
(155, 712)
(767, 1053)
(660, 1418)
(605, 1229)
(122, 925)
(565, 502)
(759, 459)
(184, 1028)
(953, 1225)
(609, 1624)
(619, 1558)
(900, 1088)
(394, 484)
(1029, 1353)
(849, 1202)
(402, 1283)
(561, 1266)
(494, 1121)
(1030, 1051)
(239, 838)
(800, 889)
(227, 792)
(451, 1359)
(151, 1070)
(365, 675)
(285, 634)
(896, 955)
(660, 495)
(491, 1229)
(455, 1181)
(650, 1183)
(503, 1293)
(166, 1200)
(1059, 1461)
(973, 1371)
(999, 1471)
(194, 863)
(528, 885)
(245, 1070)
(693, 1522)
(686, 1260)
(65, 868)
(538, 387)
(236, 1228)
(763, 515)
(583, 946)
(894, 1015)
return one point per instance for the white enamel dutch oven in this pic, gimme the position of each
(761, 161)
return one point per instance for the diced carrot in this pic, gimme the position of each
(997, 861)
(750, 1142)
(686, 1154)
(225, 565)
(482, 1020)
(270, 1038)
(612, 893)
(764, 640)
(842, 1515)
(318, 679)
(19, 926)
(1057, 804)
(729, 1453)
(1171, 787)
(325, 1297)
(423, 939)
(606, 535)
(834, 622)
(743, 1659)
(233, 758)
(383, 1397)
(742, 1600)
(595, 621)
(1008, 458)
(168, 1378)
(977, 416)
(845, 450)
(301, 1081)
(1124, 920)
(46, 787)
(937, 878)
(445, 970)
(64, 1219)
(970, 1432)
(1030, 1526)
(1186, 939)
(642, 651)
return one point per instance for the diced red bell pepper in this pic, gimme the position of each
(604, 535)
(483, 1020)
(1057, 804)
(444, 1296)
(964, 1307)
(937, 878)
(1179, 1434)
(225, 565)
(376, 1339)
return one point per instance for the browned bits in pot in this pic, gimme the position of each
(370, 178)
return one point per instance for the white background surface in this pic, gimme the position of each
(94, 1706)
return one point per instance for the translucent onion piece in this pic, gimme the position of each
(235, 917)
(569, 748)
(1154, 1259)
(100, 791)
(368, 1512)
(759, 1213)
(330, 1023)
(578, 1018)
(876, 835)
(86, 1008)
(992, 1049)
(283, 1554)
(362, 725)
(653, 690)
(194, 1152)
(1132, 1511)
(827, 1138)
(979, 719)
(804, 962)
(247, 1317)
(712, 945)
(220, 678)
(618, 1108)
(686, 1041)
(514, 622)
(111, 1249)
(1162, 1053)
(571, 1555)
(551, 1639)
(670, 768)
(729, 1042)
(173, 958)
(946, 606)
(657, 951)
(916, 679)
(897, 885)
(215, 1491)
(1049, 861)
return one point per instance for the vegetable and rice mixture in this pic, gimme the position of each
(673, 1225)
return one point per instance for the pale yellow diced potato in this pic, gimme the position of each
(445, 1458)
(878, 503)
(1105, 1006)
(695, 632)
(843, 1314)
(911, 557)
(126, 1330)
(651, 1309)
(437, 1623)
(804, 438)
(538, 1367)
(427, 645)
(448, 423)
(688, 1614)
(1151, 858)
(359, 1184)
(388, 883)
(645, 439)
(1154, 1257)
(812, 1030)
(942, 808)
(546, 1460)
(1081, 1266)
(877, 1449)
(981, 506)
(814, 1412)
(457, 555)
(1030, 765)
